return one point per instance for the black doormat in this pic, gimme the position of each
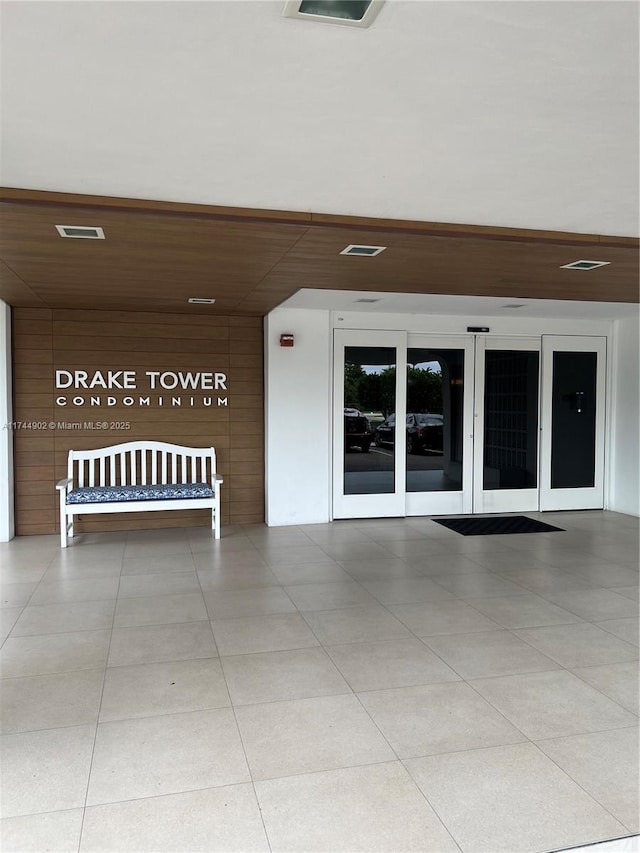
(494, 526)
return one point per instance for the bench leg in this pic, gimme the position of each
(71, 527)
(63, 524)
(215, 519)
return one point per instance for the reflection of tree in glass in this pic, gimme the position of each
(378, 391)
(375, 392)
(424, 390)
(353, 374)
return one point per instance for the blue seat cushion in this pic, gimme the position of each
(116, 494)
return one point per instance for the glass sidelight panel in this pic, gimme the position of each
(434, 421)
(369, 403)
(573, 420)
(510, 451)
(572, 446)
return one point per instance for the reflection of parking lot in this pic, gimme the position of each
(381, 459)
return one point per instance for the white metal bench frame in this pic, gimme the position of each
(136, 463)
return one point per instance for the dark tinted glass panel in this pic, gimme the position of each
(434, 422)
(369, 403)
(510, 420)
(573, 420)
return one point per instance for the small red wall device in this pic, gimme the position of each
(286, 339)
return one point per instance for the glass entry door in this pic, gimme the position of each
(368, 474)
(506, 450)
(439, 424)
(572, 447)
(433, 425)
(402, 424)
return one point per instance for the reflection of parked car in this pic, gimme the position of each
(424, 432)
(374, 418)
(357, 430)
(386, 432)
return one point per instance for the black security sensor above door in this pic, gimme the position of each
(478, 329)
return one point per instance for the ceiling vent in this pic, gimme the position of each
(363, 251)
(81, 232)
(584, 265)
(349, 13)
(201, 300)
(368, 301)
(515, 305)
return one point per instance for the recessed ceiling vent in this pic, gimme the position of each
(368, 301)
(349, 13)
(363, 251)
(584, 265)
(201, 300)
(515, 305)
(81, 232)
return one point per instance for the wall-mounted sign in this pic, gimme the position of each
(128, 380)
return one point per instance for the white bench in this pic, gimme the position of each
(139, 476)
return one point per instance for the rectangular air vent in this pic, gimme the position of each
(363, 251)
(368, 301)
(350, 13)
(201, 300)
(81, 232)
(584, 265)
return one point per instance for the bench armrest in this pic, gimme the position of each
(63, 484)
(217, 478)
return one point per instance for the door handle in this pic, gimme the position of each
(575, 400)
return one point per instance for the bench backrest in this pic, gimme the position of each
(141, 463)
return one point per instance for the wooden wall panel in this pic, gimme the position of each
(47, 340)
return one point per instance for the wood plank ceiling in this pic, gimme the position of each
(156, 255)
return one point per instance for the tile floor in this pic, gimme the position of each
(381, 685)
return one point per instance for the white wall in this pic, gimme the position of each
(298, 412)
(6, 435)
(624, 494)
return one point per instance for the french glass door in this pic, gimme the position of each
(368, 479)
(433, 425)
(439, 425)
(402, 424)
(506, 432)
(573, 422)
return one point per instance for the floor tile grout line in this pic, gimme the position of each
(559, 665)
(632, 726)
(575, 782)
(400, 760)
(598, 624)
(534, 744)
(50, 729)
(457, 673)
(217, 787)
(486, 699)
(37, 814)
(171, 713)
(241, 739)
(433, 808)
(550, 655)
(26, 604)
(602, 693)
(498, 711)
(524, 627)
(97, 724)
(395, 760)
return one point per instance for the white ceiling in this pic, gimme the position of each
(466, 306)
(493, 113)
